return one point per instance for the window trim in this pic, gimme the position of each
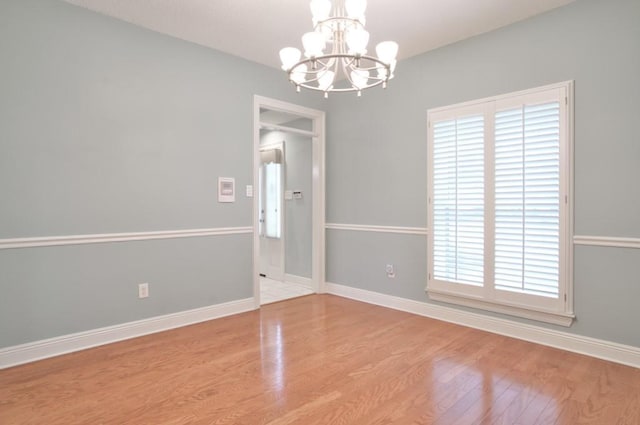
(562, 313)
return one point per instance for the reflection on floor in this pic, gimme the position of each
(272, 290)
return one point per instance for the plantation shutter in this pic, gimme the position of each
(458, 200)
(527, 199)
(499, 198)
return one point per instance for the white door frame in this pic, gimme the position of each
(318, 185)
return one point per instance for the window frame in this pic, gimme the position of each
(551, 310)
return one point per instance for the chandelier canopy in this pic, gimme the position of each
(345, 67)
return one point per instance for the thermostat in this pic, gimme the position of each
(226, 189)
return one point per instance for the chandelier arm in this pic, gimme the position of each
(319, 59)
(323, 58)
(340, 90)
(371, 68)
(345, 69)
(376, 67)
(338, 20)
(316, 73)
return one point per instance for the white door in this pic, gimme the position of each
(271, 219)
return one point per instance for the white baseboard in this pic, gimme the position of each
(606, 350)
(299, 280)
(32, 351)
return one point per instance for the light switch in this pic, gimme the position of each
(249, 191)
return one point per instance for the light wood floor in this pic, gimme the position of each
(323, 360)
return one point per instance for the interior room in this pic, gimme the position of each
(285, 204)
(348, 212)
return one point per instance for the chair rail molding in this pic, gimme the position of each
(119, 237)
(380, 229)
(611, 241)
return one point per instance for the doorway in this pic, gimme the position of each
(271, 206)
(288, 258)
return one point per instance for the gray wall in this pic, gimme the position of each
(298, 212)
(376, 153)
(106, 127)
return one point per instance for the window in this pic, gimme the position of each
(272, 199)
(270, 190)
(499, 204)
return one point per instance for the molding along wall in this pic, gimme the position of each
(593, 347)
(38, 350)
(119, 237)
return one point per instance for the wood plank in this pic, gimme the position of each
(321, 360)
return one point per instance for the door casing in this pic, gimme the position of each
(317, 135)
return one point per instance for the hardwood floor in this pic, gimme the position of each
(324, 360)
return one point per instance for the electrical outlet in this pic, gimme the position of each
(143, 290)
(390, 270)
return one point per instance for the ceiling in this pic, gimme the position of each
(258, 29)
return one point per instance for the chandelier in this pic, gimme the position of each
(345, 67)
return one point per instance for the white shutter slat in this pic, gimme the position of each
(527, 194)
(458, 200)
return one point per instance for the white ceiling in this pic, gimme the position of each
(258, 29)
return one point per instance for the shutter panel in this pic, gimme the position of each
(527, 199)
(458, 200)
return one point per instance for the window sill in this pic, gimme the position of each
(562, 319)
